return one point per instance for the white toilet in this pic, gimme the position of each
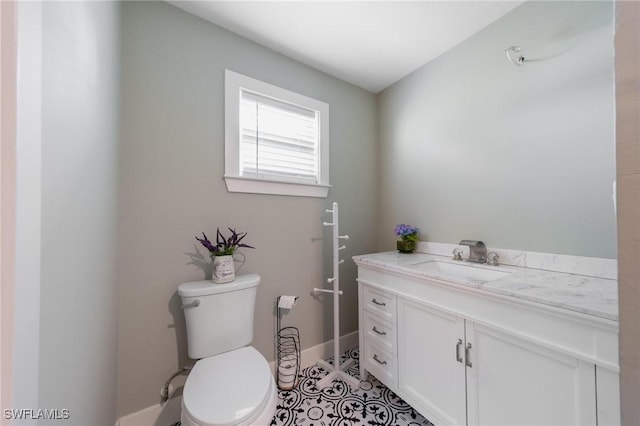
(231, 383)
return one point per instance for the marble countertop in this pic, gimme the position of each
(579, 293)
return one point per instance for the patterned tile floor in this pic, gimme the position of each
(373, 404)
(338, 405)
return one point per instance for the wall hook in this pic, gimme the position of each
(519, 58)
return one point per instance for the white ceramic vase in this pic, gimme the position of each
(223, 269)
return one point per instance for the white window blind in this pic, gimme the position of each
(275, 141)
(279, 140)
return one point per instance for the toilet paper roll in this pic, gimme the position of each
(287, 372)
(287, 302)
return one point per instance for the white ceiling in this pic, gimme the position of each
(371, 44)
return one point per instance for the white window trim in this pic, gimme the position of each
(236, 183)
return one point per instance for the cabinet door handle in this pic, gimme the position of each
(378, 303)
(375, 358)
(458, 356)
(382, 333)
(467, 355)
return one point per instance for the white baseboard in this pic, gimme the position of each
(169, 413)
(324, 350)
(160, 415)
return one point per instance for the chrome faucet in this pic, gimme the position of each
(477, 251)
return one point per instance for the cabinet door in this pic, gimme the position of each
(512, 382)
(430, 374)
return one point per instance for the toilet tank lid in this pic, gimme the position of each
(204, 288)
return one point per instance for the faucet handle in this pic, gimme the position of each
(492, 258)
(457, 253)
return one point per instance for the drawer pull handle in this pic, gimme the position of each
(467, 355)
(382, 333)
(458, 356)
(375, 358)
(378, 303)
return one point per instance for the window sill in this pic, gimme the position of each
(260, 186)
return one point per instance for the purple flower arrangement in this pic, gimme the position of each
(224, 246)
(407, 232)
(408, 237)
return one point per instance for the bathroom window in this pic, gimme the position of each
(276, 141)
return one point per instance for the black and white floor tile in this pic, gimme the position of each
(338, 405)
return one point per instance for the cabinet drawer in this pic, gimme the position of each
(381, 363)
(382, 332)
(380, 303)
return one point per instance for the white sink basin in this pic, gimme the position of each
(458, 271)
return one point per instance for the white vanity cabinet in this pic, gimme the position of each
(463, 357)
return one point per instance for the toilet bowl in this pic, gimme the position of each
(234, 388)
(231, 383)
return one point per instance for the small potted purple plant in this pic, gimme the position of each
(222, 254)
(408, 237)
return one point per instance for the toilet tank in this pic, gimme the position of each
(219, 317)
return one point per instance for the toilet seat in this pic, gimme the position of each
(233, 388)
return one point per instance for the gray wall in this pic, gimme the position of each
(78, 315)
(521, 158)
(171, 168)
